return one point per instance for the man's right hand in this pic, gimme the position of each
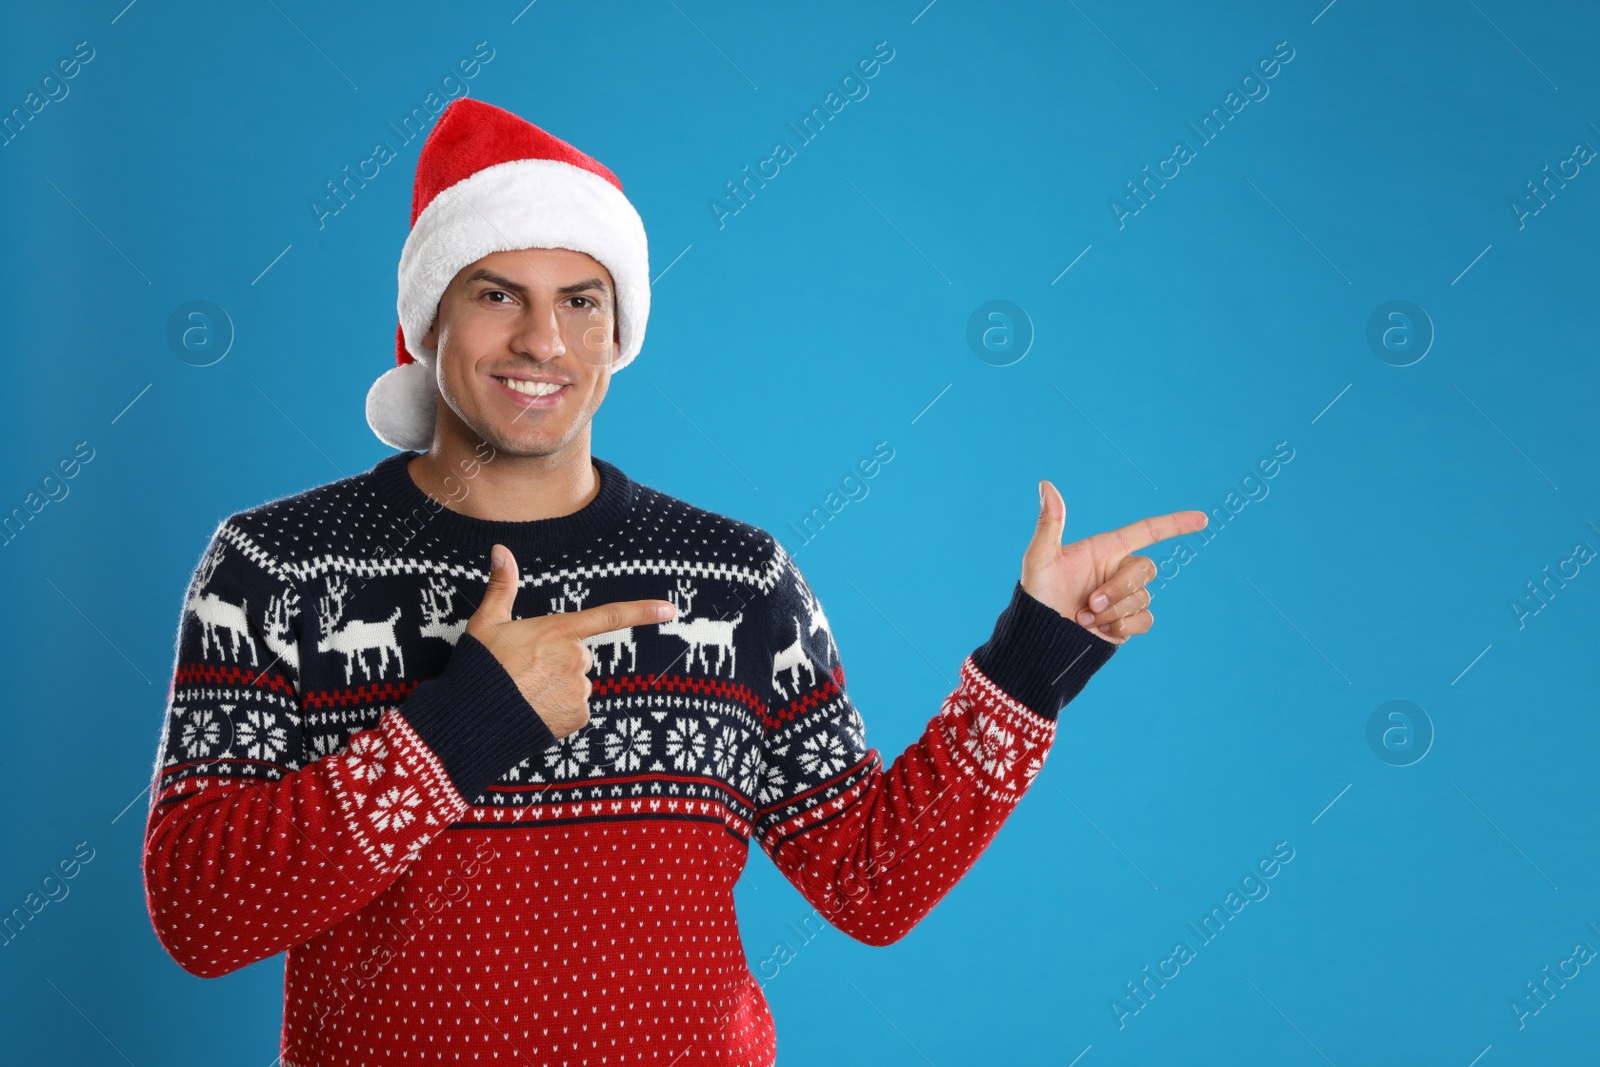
(546, 656)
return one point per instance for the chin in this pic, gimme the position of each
(515, 439)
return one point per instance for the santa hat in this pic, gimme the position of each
(489, 181)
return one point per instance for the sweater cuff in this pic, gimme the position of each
(1038, 656)
(475, 719)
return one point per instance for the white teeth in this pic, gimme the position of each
(531, 388)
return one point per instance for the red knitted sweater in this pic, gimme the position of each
(346, 776)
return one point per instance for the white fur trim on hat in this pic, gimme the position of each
(524, 203)
(402, 406)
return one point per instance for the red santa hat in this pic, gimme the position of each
(489, 181)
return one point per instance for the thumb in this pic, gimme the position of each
(1052, 520)
(502, 590)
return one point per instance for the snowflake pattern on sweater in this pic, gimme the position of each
(345, 775)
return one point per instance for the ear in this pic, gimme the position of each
(431, 338)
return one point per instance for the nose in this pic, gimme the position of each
(539, 333)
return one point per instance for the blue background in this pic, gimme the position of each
(830, 313)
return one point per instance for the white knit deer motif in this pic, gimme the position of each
(437, 601)
(277, 634)
(817, 620)
(216, 614)
(792, 658)
(701, 635)
(616, 640)
(355, 638)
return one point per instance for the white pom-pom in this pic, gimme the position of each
(402, 406)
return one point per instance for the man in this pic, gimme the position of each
(480, 736)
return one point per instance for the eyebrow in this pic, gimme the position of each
(503, 282)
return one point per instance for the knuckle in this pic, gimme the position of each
(1121, 609)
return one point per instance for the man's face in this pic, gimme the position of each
(533, 315)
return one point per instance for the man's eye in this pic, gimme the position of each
(590, 303)
(497, 292)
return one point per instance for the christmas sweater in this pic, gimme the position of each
(346, 776)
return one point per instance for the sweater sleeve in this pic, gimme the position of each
(250, 847)
(875, 848)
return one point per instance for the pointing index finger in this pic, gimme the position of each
(603, 618)
(1146, 532)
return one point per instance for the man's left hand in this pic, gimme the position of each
(1098, 582)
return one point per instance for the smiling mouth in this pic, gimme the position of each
(526, 388)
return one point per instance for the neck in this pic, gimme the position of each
(472, 477)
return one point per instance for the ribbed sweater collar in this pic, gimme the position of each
(533, 538)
